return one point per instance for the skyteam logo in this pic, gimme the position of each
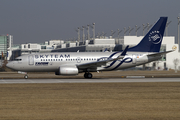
(155, 37)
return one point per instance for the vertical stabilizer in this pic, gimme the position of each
(153, 39)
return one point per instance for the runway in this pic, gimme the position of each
(113, 80)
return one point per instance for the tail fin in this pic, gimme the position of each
(152, 40)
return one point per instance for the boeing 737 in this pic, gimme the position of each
(72, 63)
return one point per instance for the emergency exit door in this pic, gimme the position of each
(134, 59)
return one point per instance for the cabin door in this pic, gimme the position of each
(31, 60)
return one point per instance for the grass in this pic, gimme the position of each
(87, 101)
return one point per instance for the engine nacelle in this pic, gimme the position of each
(66, 70)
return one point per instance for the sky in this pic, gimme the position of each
(37, 21)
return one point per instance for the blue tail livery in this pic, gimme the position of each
(152, 40)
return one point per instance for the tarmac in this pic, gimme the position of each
(107, 74)
(100, 80)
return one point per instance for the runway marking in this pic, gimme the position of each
(116, 80)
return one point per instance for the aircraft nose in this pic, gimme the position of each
(9, 65)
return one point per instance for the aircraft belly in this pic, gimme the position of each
(40, 69)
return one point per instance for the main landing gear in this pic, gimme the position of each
(88, 75)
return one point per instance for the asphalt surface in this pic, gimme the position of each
(100, 75)
(100, 80)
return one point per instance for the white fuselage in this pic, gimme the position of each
(50, 62)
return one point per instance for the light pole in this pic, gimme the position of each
(88, 31)
(112, 32)
(137, 28)
(78, 32)
(178, 32)
(83, 33)
(144, 27)
(149, 26)
(130, 29)
(167, 24)
(94, 31)
(125, 31)
(118, 34)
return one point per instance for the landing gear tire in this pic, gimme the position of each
(85, 75)
(88, 75)
(26, 77)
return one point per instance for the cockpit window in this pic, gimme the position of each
(17, 59)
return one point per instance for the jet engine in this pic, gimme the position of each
(66, 70)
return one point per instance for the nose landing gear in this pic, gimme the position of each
(25, 76)
(88, 75)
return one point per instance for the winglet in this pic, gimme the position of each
(123, 53)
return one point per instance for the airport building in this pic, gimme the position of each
(6, 41)
(97, 45)
(31, 48)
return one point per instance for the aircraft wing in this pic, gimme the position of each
(102, 62)
(159, 54)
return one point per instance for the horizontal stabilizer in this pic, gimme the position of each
(160, 53)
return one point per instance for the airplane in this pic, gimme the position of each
(73, 63)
